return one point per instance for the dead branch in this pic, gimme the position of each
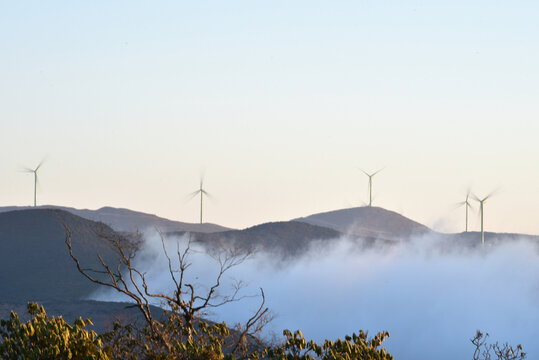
(187, 300)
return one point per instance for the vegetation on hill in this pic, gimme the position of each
(44, 337)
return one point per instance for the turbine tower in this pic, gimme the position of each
(482, 210)
(468, 205)
(34, 171)
(370, 184)
(202, 192)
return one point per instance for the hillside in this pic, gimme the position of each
(472, 239)
(34, 259)
(368, 222)
(126, 220)
(287, 237)
(366, 226)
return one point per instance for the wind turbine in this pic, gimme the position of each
(34, 171)
(202, 192)
(482, 210)
(468, 205)
(370, 183)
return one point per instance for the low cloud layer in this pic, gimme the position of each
(431, 301)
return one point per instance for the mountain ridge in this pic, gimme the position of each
(127, 220)
(368, 222)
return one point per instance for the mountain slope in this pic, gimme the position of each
(368, 222)
(34, 259)
(126, 220)
(287, 237)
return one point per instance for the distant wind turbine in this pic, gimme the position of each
(482, 210)
(370, 183)
(466, 203)
(202, 192)
(34, 171)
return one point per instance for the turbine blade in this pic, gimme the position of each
(202, 175)
(494, 192)
(208, 195)
(473, 196)
(377, 171)
(38, 166)
(190, 196)
(458, 205)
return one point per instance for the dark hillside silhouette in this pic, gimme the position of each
(34, 259)
(288, 238)
(126, 220)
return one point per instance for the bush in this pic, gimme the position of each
(352, 347)
(43, 337)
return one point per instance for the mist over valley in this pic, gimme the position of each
(328, 274)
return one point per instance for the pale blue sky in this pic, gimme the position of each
(280, 102)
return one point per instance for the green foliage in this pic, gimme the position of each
(175, 339)
(47, 338)
(43, 337)
(357, 347)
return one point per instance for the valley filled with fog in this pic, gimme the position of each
(428, 295)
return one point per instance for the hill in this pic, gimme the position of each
(368, 222)
(125, 220)
(286, 237)
(472, 239)
(34, 259)
(366, 226)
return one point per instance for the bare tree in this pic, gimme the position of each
(485, 351)
(186, 301)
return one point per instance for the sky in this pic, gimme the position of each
(279, 104)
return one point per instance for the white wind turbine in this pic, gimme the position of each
(34, 171)
(370, 183)
(482, 211)
(466, 203)
(202, 193)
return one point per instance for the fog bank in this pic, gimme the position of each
(431, 301)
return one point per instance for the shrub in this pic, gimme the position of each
(44, 337)
(357, 347)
